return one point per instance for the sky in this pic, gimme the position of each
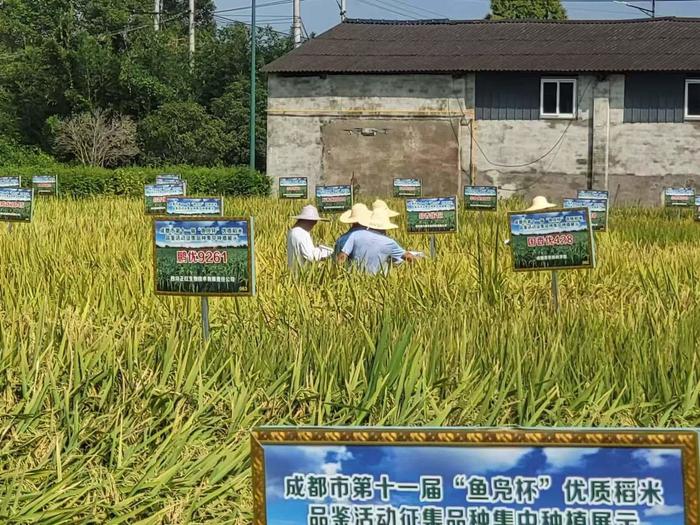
(320, 15)
(406, 464)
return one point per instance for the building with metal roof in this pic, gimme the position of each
(530, 106)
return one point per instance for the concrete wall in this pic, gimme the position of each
(310, 123)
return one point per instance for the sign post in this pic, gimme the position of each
(555, 290)
(16, 205)
(459, 476)
(679, 198)
(334, 199)
(293, 188)
(194, 206)
(432, 215)
(407, 188)
(156, 196)
(481, 198)
(204, 256)
(45, 185)
(10, 182)
(552, 239)
(598, 209)
(205, 318)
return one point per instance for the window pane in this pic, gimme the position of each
(694, 99)
(549, 98)
(566, 98)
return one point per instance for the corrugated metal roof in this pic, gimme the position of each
(441, 46)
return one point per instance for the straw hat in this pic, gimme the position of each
(354, 215)
(309, 213)
(540, 203)
(381, 205)
(378, 220)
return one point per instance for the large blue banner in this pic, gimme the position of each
(605, 479)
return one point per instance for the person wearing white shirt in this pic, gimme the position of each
(300, 245)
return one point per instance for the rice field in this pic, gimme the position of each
(112, 410)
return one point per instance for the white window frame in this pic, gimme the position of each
(558, 81)
(686, 115)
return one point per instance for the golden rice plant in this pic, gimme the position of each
(113, 410)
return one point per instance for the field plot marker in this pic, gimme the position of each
(555, 290)
(205, 318)
(432, 246)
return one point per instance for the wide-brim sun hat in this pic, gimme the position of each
(309, 213)
(355, 214)
(540, 203)
(381, 205)
(378, 220)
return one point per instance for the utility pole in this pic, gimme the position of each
(191, 34)
(252, 85)
(156, 20)
(296, 23)
(343, 10)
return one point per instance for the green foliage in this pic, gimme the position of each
(87, 181)
(183, 133)
(14, 155)
(59, 58)
(527, 9)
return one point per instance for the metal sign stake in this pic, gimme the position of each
(205, 318)
(555, 290)
(432, 246)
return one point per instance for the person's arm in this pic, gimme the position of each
(398, 254)
(346, 250)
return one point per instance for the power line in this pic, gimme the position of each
(248, 24)
(127, 30)
(257, 6)
(414, 8)
(367, 2)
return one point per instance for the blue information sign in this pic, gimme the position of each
(474, 477)
(194, 206)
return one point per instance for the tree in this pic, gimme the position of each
(527, 9)
(98, 139)
(183, 133)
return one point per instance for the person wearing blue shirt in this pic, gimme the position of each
(371, 249)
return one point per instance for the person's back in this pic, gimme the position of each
(372, 251)
(297, 240)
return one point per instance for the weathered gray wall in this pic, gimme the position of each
(314, 130)
(372, 152)
(529, 157)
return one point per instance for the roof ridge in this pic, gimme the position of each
(447, 21)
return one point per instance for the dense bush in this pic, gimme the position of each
(12, 154)
(86, 181)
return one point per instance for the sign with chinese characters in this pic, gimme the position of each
(168, 178)
(371, 476)
(598, 209)
(408, 188)
(156, 196)
(481, 197)
(202, 256)
(676, 197)
(432, 215)
(16, 204)
(551, 239)
(45, 184)
(10, 182)
(194, 206)
(293, 188)
(592, 194)
(334, 198)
